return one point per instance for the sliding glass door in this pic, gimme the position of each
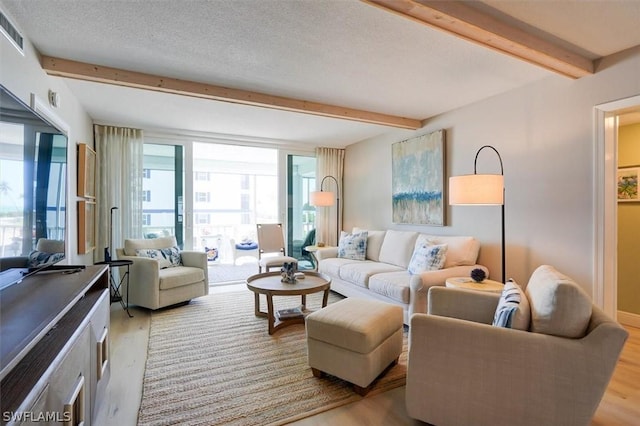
(234, 188)
(301, 180)
(212, 195)
(163, 191)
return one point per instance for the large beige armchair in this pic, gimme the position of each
(158, 280)
(464, 371)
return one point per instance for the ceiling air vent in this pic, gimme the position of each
(12, 34)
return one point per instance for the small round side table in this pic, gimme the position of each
(467, 283)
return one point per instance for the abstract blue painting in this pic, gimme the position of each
(418, 179)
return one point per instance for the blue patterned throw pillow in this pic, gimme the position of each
(427, 257)
(508, 305)
(173, 255)
(353, 246)
(39, 258)
(155, 254)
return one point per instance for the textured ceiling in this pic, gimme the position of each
(338, 52)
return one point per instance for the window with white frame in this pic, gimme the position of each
(202, 176)
(203, 197)
(203, 218)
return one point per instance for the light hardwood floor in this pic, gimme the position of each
(129, 339)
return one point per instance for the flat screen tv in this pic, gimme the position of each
(33, 190)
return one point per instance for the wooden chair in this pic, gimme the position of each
(271, 247)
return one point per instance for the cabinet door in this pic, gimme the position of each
(100, 352)
(37, 411)
(69, 392)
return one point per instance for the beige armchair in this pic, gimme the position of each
(155, 283)
(464, 371)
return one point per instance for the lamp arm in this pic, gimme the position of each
(475, 162)
(337, 204)
(337, 185)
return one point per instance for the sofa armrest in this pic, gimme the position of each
(13, 262)
(439, 276)
(420, 284)
(197, 259)
(144, 279)
(476, 306)
(326, 253)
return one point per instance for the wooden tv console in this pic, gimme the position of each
(54, 350)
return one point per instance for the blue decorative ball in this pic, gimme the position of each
(478, 275)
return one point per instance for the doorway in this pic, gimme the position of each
(607, 119)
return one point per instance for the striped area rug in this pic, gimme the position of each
(212, 362)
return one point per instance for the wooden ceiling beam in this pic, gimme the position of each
(96, 73)
(456, 18)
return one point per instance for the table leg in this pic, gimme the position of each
(325, 298)
(304, 302)
(270, 316)
(256, 298)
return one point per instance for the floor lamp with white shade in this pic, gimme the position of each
(326, 199)
(480, 190)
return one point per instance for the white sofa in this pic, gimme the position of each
(383, 275)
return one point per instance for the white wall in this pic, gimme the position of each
(22, 75)
(545, 135)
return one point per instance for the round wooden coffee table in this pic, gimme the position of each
(270, 285)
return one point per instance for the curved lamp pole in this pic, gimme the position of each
(325, 199)
(480, 190)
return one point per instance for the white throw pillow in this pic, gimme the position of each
(558, 305)
(513, 309)
(427, 257)
(353, 246)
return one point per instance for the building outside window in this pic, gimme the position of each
(202, 176)
(146, 173)
(202, 218)
(146, 195)
(203, 197)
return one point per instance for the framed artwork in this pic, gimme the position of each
(628, 184)
(418, 180)
(86, 226)
(86, 171)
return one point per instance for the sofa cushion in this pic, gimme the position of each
(331, 266)
(513, 309)
(558, 305)
(427, 257)
(397, 247)
(358, 273)
(374, 243)
(180, 276)
(352, 246)
(462, 251)
(394, 285)
(131, 245)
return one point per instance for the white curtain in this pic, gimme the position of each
(329, 162)
(119, 184)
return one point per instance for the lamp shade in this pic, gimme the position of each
(322, 198)
(476, 189)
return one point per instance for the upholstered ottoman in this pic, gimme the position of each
(355, 340)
